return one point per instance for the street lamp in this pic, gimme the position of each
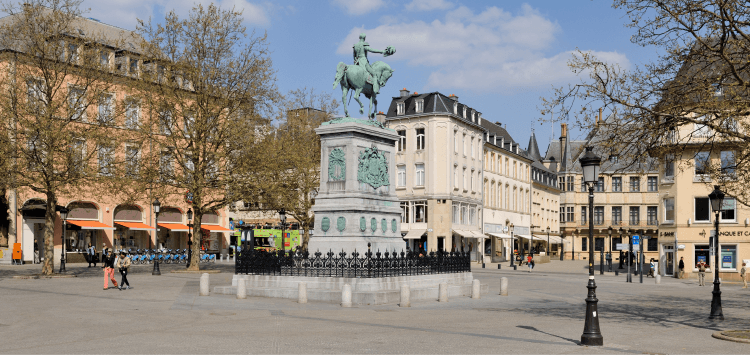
(157, 205)
(282, 218)
(591, 333)
(64, 215)
(548, 242)
(717, 198)
(609, 264)
(621, 234)
(512, 246)
(190, 236)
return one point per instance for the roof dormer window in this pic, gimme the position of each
(400, 108)
(473, 114)
(420, 106)
(455, 108)
(464, 112)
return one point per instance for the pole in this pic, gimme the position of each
(640, 252)
(562, 246)
(62, 256)
(512, 248)
(630, 258)
(716, 312)
(548, 243)
(156, 270)
(591, 333)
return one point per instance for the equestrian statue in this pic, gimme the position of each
(362, 77)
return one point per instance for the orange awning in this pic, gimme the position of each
(214, 228)
(175, 227)
(89, 224)
(136, 226)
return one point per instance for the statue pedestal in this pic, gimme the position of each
(356, 203)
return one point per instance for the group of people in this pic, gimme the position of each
(702, 266)
(122, 263)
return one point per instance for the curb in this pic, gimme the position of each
(722, 336)
(35, 277)
(212, 271)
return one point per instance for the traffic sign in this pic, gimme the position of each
(636, 247)
(636, 240)
(622, 246)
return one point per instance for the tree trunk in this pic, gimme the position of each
(305, 235)
(48, 268)
(197, 238)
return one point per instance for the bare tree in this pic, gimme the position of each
(53, 77)
(210, 85)
(693, 98)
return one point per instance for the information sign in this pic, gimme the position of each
(622, 246)
(636, 247)
(726, 261)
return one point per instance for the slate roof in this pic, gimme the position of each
(434, 102)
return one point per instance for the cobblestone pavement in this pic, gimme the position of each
(544, 313)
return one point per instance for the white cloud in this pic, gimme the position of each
(428, 5)
(359, 7)
(490, 51)
(124, 13)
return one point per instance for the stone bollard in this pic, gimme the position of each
(241, 289)
(346, 296)
(617, 272)
(475, 290)
(302, 292)
(657, 278)
(405, 296)
(204, 285)
(443, 292)
(498, 266)
(515, 267)
(503, 286)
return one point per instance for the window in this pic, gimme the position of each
(584, 215)
(166, 170)
(728, 163)
(73, 53)
(562, 184)
(132, 161)
(571, 183)
(728, 256)
(404, 212)
(420, 212)
(463, 144)
(401, 143)
(420, 106)
(669, 210)
(455, 142)
(456, 213)
(464, 114)
(702, 130)
(635, 184)
(598, 244)
(35, 92)
(702, 209)
(133, 66)
(465, 179)
(400, 108)
(132, 114)
(472, 214)
(419, 174)
(472, 180)
(669, 165)
(599, 215)
(562, 214)
(104, 59)
(455, 108)
(401, 175)
(616, 215)
(702, 253)
(728, 210)
(78, 155)
(420, 138)
(77, 103)
(570, 210)
(189, 124)
(653, 184)
(653, 244)
(165, 122)
(584, 244)
(106, 157)
(635, 215)
(106, 109)
(464, 214)
(701, 163)
(455, 177)
(651, 215)
(600, 184)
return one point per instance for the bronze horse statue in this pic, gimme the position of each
(357, 78)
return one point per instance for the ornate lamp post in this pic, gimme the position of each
(717, 199)
(512, 246)
(157, 205)
(64, 216)
(548, 241)
(621, 234)
(590, 163)
(282, 218)
(190, 236)
(609, 264)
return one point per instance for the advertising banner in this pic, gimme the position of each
(292, 238)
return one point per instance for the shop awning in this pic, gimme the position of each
(214, 228)
(528, 237)
(501, 235)
(469, 234)
(415, 234)
(479, 235)
(135, 226)
(89, 224)
(175, 227)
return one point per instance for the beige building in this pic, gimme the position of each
(438, 171)
(545, 202)
(507, 194)
(626, 201)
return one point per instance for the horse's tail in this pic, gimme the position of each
(340, 69)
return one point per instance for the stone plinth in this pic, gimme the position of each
(356, 203)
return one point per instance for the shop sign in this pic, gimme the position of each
(621, 246)
(189, 197)
(726, 261)
(666, 234)
(681, 247)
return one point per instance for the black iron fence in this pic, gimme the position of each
(367, 265)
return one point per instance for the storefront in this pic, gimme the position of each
(416, 239)
(84, 227)
(215, 237)
(131, 232)
(174, 235)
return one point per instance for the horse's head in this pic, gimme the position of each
(384, 72)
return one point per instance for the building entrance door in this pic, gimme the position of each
(669, 263)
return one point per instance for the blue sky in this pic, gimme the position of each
(498, 57)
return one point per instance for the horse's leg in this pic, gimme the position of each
(370, 113)
(356, 97)
(375, 102)
(344, 91)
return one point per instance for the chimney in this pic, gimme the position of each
(453, 97)
(498, 123)
(380, 116)
(599, 119)
(563, 130)
(404, 92)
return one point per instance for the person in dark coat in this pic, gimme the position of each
(681, 266)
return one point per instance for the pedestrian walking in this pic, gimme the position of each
(608, 258)
(108, 259)
(36, 252)
(123, 263)
(701, 273)
(651, 268)
(530, 262)
(682, 269)
(91, 255)
(743, 275)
